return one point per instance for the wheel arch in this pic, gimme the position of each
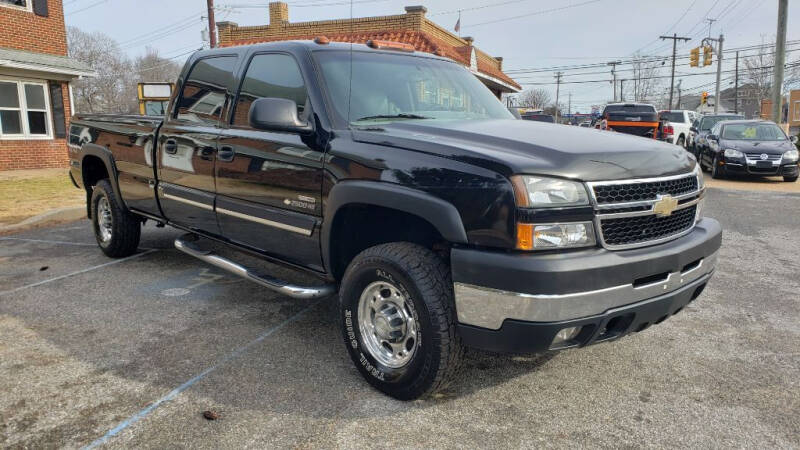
(97, 163)
(427, 218)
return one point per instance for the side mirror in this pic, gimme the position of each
(712, 137)
(277, 114)
(793, 139)
(693, 129)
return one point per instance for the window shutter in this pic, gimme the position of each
(57, 106)
(40, 7)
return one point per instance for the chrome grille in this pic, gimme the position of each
(626, 215)
(757, 157)
(645, 190)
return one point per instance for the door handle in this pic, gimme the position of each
(170, 146)
(226, 154)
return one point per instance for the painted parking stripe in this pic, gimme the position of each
(45, 241)
(89, 269)
(175, 392)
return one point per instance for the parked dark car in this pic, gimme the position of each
(638, 119)
(747, 147)
(539, 117)
(703, 128)
(441, 221)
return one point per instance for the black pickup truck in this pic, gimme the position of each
(399, 181)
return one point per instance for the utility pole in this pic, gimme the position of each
(678, 105)
(558, 86)
(719, 74)
(212, 32)
(780, 60)
(675, 40)
(569, 107)
(613, 65)
(622, 90)
(736, 86)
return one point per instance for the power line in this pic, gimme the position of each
(86, 7)
(537, 13)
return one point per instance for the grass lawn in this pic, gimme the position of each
(26, 193)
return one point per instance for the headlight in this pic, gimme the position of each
(554, 235)
(698, 172)
(539, 192)
(791, 155)
(731, 153)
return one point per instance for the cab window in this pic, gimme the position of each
(270, 75)
(203, 95)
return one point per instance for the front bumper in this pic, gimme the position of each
(749, 167)
(517, 302)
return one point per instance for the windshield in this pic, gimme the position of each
(402, 87)
(708, 122)
(630, 108)
(753, 132)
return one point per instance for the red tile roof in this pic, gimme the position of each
(421, 41)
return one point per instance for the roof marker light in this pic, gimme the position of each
(389, 45)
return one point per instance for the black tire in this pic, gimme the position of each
(125, 227)
(717, 172)
(791, 179)
(424, 279)
(681, 141)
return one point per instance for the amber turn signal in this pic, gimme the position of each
(525, 236)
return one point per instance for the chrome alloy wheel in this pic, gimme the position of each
(104, 219)
(387, 324)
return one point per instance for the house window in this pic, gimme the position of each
(24, 110)
(19, 4)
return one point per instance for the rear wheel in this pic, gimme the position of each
(116, 230)
(681, 141)
(398, 320)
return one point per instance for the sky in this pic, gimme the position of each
(528, 34)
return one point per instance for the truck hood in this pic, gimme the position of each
(526, 147)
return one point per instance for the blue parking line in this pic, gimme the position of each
(175, 392)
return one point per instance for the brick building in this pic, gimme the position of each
(35, 73)
(410, 28)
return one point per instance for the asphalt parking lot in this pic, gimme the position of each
(129, 353)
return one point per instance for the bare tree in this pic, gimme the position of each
(150, 67)
(758, 70)
(535, 98)
(643, 85)
(113, 90)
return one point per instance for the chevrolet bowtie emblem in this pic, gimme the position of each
(665, 205)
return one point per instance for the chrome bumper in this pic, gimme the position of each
(488, 308)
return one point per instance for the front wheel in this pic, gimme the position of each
(790, 179)
(398, 320)
(116, 229)
(717, 171)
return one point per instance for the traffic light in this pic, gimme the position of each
(707, 55)
(704, 98)
(694, 57)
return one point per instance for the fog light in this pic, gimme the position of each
(565, 335)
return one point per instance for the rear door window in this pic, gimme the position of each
(204, 94)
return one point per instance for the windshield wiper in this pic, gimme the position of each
(394, 116)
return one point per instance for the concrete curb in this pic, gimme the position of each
(65, 214)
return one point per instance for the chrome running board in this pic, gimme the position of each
(187, 244)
